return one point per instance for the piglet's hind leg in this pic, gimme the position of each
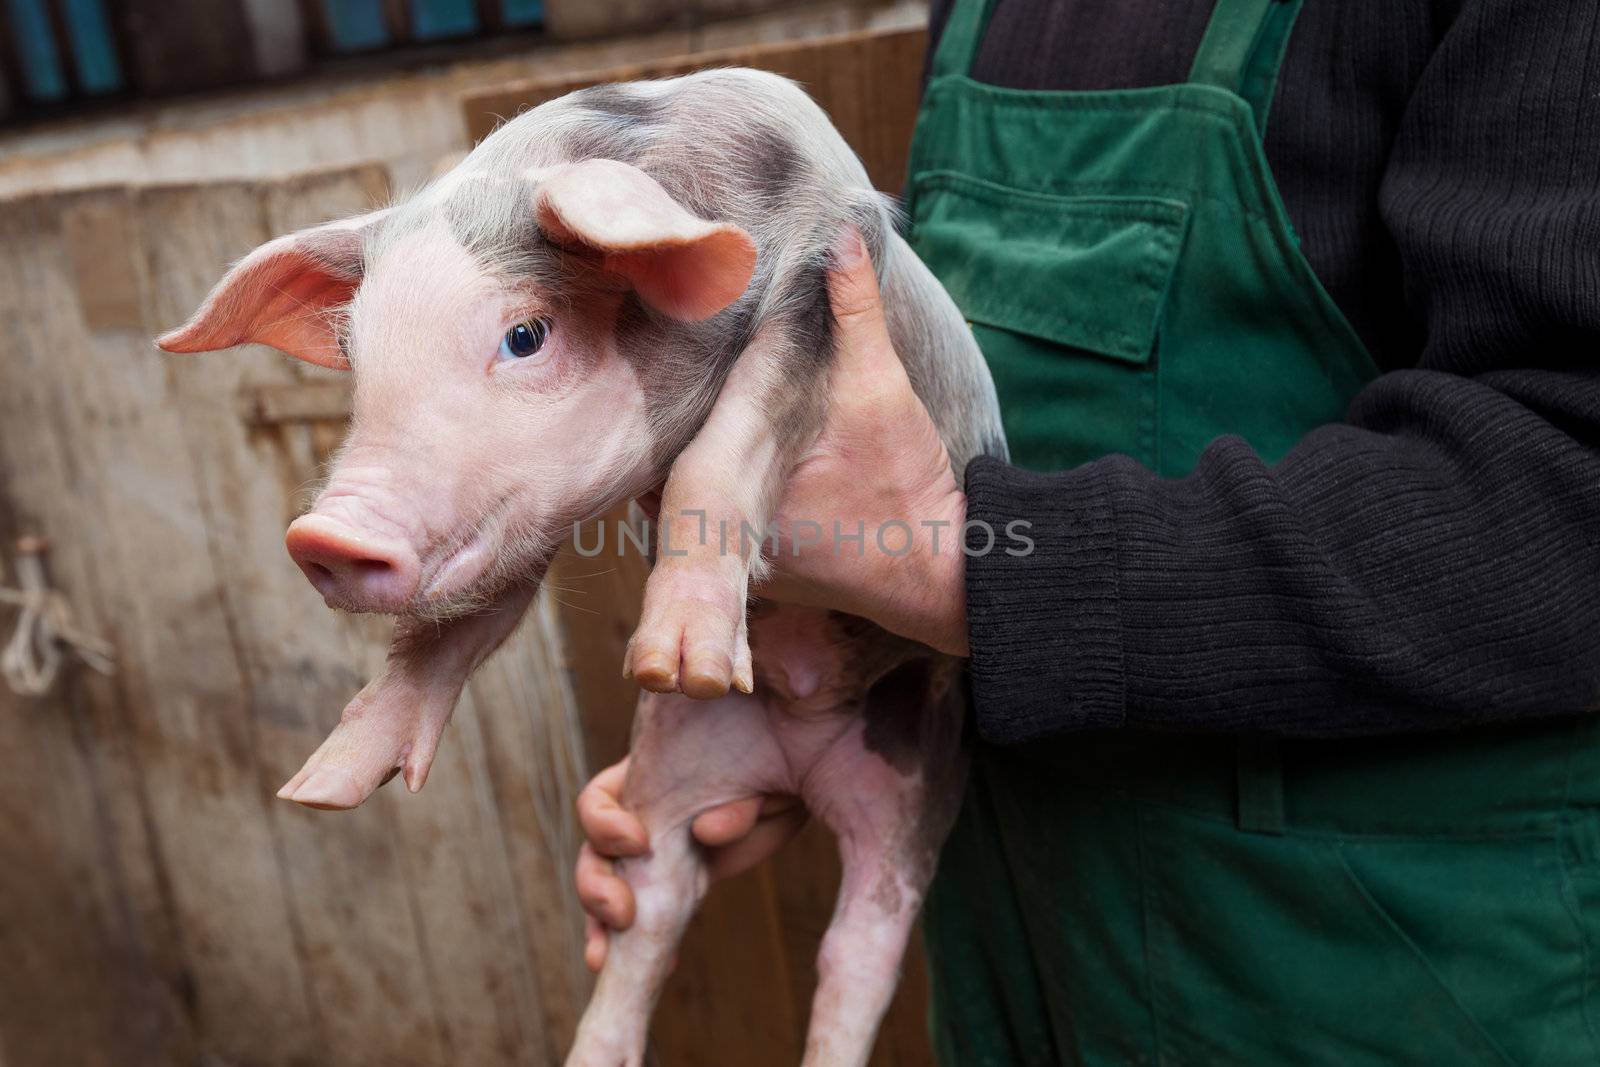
(889, 790)
(668, 885)
(686, 757)
(858, 966)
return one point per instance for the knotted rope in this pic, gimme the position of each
(32, 657)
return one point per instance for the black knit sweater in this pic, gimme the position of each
(1432, 562)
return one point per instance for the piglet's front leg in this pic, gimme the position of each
(394, 724)
(693, 633)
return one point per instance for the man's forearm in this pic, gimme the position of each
(1435, 564)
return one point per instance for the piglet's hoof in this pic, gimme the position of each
(690, 648)
(689, 640)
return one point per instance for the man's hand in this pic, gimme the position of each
(879, 463)
(879, 468)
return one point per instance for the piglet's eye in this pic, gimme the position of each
(525, 339)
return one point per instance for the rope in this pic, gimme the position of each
(32, 658)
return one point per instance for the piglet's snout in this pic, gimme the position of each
(354, 570)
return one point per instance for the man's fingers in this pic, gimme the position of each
(601, 891)
(594, 944)
(770, 834)
(610, 827)
(853, 293)
(865, 363)
(725, 825)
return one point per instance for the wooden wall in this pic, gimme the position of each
(566, 19)
(743, 986)
(157, 905)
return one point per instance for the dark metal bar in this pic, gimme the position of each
(490, 16)
(66, 52)
(11, 64)
(397, 16)
(319, 35)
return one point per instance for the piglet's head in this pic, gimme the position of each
(497, 332)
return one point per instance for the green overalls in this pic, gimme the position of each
(1123, 898)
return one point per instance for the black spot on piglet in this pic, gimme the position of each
(620, 101)
(896, 710)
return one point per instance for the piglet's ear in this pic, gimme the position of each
(680, 264)
(286, 294)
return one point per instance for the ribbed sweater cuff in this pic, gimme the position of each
(1044, 627)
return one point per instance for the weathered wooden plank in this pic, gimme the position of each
(519, 725)
(131, 524)
(86, 907)
(565, 19)
(572, 19)
(197, 737)
(277, 36)
(77, 986)
(893, 63)
(297, 402)
(63, 905)
(101, 252)
(176, 46)
(554, 791)
(599, 598)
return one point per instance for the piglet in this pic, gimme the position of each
(623, 292)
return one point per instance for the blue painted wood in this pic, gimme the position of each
(522, 12)
(433, 20)
(356, 25)
(96, 56)
(43, 79)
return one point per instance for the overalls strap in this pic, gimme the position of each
(1243, 49)
(958, 44)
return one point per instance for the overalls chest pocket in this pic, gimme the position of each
(1065, 295)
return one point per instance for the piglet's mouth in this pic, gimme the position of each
(448, 588)
(470, 576)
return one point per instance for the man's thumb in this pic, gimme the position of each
(853, 294)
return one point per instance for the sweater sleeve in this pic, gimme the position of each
(1434, 561)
